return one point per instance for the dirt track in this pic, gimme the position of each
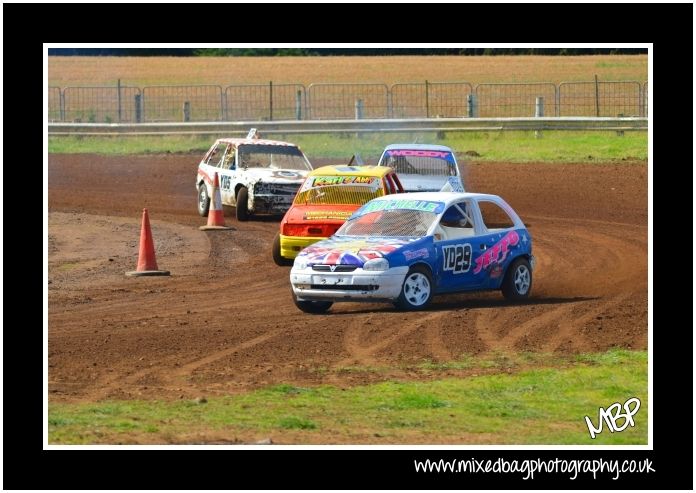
(224, 321)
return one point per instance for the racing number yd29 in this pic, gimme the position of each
(457, 258)
(225, 182)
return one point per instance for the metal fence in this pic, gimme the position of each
(99, 104)
(55, 104)
(272, 102)
(606, 98)
(339, 101)
(515, 99)
(430, 99)
(182, 103)
(259, 102)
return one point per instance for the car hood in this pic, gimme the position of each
(252, 175)
(329, 214)
(421, 183)
(353, 250)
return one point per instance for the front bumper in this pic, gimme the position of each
(270, 204)
(358, 285)
(290, 246)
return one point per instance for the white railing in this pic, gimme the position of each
(357, 126)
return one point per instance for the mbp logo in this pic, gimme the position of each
(612, 414)
(456, 258)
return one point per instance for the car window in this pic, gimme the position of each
(494, 217)
(348, 190)
(272, 157)
(228, 161)
(420, 162)
(397, 222)
(458, 216)
(215, 158)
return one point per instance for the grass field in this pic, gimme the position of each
(490, 146)
(536, 405)
(140, 71)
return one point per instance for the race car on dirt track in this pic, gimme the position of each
(422, 167)
(406, 248)
(327, 198)
(256, 176)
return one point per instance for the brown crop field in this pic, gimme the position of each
(141, 71)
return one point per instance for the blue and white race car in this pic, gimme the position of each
(406, 248)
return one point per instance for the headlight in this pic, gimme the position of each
(376, 264)
(300, 263)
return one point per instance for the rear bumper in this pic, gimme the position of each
(290, 246)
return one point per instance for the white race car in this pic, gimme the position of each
(422, 167)
(256, 176)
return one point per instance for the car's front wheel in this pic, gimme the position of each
(518, 280)
(203, 200)
(242, 204)
(417, 289)
(312, 306)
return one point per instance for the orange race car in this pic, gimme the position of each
(327, 198)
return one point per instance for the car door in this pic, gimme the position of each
(227, 168)
(500, 242)
(213, 163)
(457, 242)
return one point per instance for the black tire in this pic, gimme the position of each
(277, 257)
(413, 294)
(243, 204)
(517, 283)
(312, 306)
(203, 200)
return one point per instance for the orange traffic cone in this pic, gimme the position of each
(216, 218)
(147, 263)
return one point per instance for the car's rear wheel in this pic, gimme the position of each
(242, 204)
(417, 289)
(277, 257)
(517, 283)
(203, 200)
(312, 306)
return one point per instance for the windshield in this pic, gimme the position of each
(349, 190)
(272, 157)
(395, 222)
(420, 162)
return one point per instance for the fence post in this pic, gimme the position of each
(471, 107)
(298, 105)
(138, 109)
(223, 105)
(61, 103)
(118, 87)
(620, 133)
(358, 114)
(539, 107)
(596, 91)
(358, 109)
(539, 113)
(187, 111)
(270, 99)
(427, 102)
